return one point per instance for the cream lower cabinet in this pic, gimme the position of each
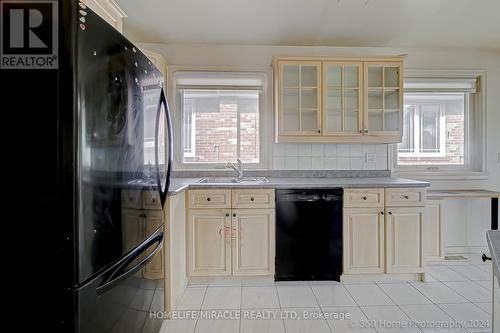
(209, 242)
(404, 239)
(156, 267)
(225, 239)
(380, 234)
(252, 241)
(363, 230)
(137, 225)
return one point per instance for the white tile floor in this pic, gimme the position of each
(457, 294)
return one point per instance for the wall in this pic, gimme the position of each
(260, 58)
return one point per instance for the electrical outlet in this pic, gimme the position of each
(370, 157)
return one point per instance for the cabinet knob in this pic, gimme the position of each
(252, 199)
(381, 213)
(153, 200)
(227, 214)
(484, 257)
(319, 131)
(390, 213)
(360, 131)
(406, 197)
(234, 214)
(365, 198)
(208, 199)
(366, 131)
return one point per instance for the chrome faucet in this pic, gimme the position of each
(238, 169)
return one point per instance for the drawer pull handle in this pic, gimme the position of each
(208, 199)
(220, 232)
(153, 200)
(484, 257)
(365, 198)
(252, 199)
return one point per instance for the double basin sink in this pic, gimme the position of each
(233, 180)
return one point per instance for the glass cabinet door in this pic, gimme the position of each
(299, 105)
(342, 97)
(383, 95)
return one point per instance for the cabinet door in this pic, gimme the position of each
(155, 269)
(404, 239)
(209, 242)
(299, 98)
(133, 231)
(383, 100)
(432, 231)
(253, 239)
(363, 230)
(342, 91)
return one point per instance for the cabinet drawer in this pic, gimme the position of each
(404, 197)
(131, 199)
(366, 197)
(151, 200)
(253, 198)
(210, 199)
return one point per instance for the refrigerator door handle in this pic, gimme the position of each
(117, 276)
(170, 146)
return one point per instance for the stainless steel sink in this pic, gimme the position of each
(225, 180)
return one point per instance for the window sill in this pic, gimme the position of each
(443, 175)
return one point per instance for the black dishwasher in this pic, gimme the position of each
(308, 234)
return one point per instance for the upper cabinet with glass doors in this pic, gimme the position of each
(300, 98)
(338, 100)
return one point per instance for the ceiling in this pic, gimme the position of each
(408, 23)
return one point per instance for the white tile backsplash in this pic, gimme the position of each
(305, 163)
(305, 149)
(291, 163)
(317, 156)
(317, 149)
(318, 163)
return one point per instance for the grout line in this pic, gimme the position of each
(319, 305)
(239, 309)
(397, 305)
(201, 306)
(359, 307)
(437, 304)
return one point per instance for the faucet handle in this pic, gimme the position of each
(240, 164)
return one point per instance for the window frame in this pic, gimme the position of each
(475, 132)
(178, 115)
(417, 138)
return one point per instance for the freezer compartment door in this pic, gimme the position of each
(125, 298)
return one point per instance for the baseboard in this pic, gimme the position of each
(348, 278)
(465, 249)
(228, 280)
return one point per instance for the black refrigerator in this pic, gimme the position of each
(100, 160)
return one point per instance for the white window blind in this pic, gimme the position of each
(241, 80)
(432, 84)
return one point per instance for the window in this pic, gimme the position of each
(433, 129)
(220, 114)
(442, 120)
